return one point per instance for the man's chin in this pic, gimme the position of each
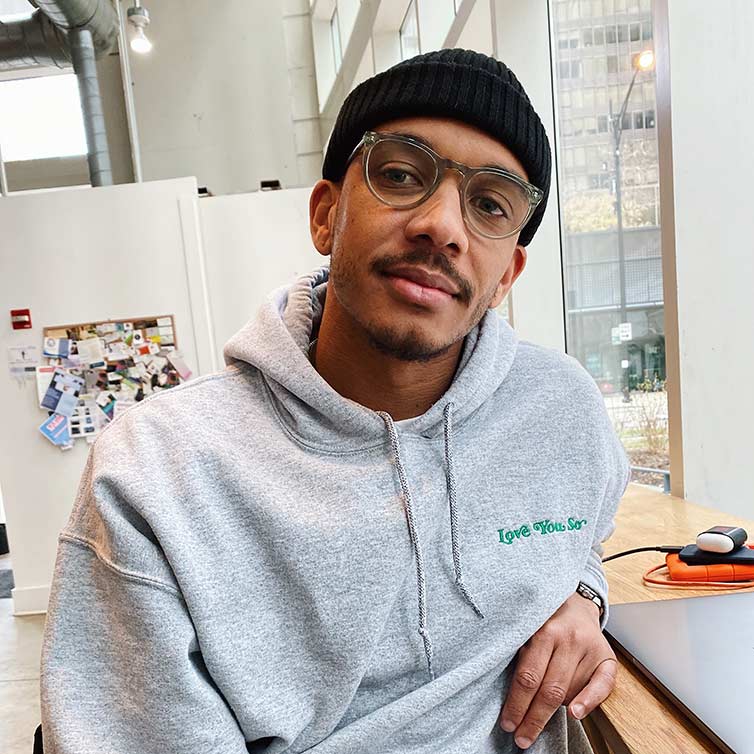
(406, 346)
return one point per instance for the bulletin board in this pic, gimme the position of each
(92, 371)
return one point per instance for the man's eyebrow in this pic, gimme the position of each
(428, 143)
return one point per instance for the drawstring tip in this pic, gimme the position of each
(469, 599)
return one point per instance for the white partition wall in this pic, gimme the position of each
(253, 244)
(76, 256)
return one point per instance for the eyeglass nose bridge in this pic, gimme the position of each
(443, 165)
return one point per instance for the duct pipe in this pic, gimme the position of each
(41, 39)
(82, 52)
(31, 42)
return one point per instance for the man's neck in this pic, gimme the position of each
(359, 371)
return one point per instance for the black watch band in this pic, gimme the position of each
(588, 593)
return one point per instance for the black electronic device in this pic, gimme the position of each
(692, 555)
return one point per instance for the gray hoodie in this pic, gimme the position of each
(253, 558)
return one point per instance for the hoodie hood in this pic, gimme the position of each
(277, 340)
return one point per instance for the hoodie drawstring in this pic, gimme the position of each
(451, 482)
(451, 486)
(420, 578)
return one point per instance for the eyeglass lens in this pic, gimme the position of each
(401, 174)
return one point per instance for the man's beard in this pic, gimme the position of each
(405, 344)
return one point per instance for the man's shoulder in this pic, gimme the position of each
(544, 363)
(174, 410)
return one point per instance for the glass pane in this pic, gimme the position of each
(337, 51)
(610, 225)
(410, 33)
(41, 117)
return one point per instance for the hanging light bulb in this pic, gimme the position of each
(138, 17)
(140, 42)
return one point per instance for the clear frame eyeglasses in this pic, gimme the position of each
(402, 172)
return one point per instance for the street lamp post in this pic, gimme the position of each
(644, 61)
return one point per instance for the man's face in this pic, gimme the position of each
(387, 262)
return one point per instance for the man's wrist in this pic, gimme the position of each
(585, 592)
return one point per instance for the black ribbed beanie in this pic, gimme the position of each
(461, 84)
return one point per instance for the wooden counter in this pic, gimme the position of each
(636, 718)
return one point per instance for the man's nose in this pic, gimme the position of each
(439, 220)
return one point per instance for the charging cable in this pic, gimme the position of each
(648, 578)
(662, 548)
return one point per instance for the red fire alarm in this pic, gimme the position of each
(21, 319)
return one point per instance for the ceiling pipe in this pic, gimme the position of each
(33, 42)
(98, 156)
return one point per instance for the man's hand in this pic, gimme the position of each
(568, 661)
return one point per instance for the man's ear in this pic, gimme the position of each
(514, 269)
(323, 203)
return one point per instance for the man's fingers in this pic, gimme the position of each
(550, 695)
(530, 670)
(597, 690)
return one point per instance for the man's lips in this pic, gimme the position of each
(424, 278)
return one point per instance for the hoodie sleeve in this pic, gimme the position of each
(619, 475)
(121, 667)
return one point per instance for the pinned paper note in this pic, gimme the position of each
(90, 352)
(62, 393)
(55, 429)
(23, 362)
(57, 348)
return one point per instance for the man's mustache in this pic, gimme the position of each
(430, 261)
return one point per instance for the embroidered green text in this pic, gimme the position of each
(544, 527)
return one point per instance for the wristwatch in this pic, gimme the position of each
(588, 593)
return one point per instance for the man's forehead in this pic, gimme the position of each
(456, 140)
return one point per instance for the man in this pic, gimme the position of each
(383, 519)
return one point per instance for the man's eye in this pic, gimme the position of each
(399, 177)
(488, 206)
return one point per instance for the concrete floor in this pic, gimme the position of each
(20, 645)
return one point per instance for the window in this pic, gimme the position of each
(570, 69)
(30, 107)
(337, 51)
(646, 30)
(597, 254)
(409, 33)
(568, 40)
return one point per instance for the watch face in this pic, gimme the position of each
(590, 594)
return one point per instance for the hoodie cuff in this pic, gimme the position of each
(594, 577)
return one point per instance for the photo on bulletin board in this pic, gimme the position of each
(93, 371)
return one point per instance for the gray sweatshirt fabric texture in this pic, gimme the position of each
(256, 564)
